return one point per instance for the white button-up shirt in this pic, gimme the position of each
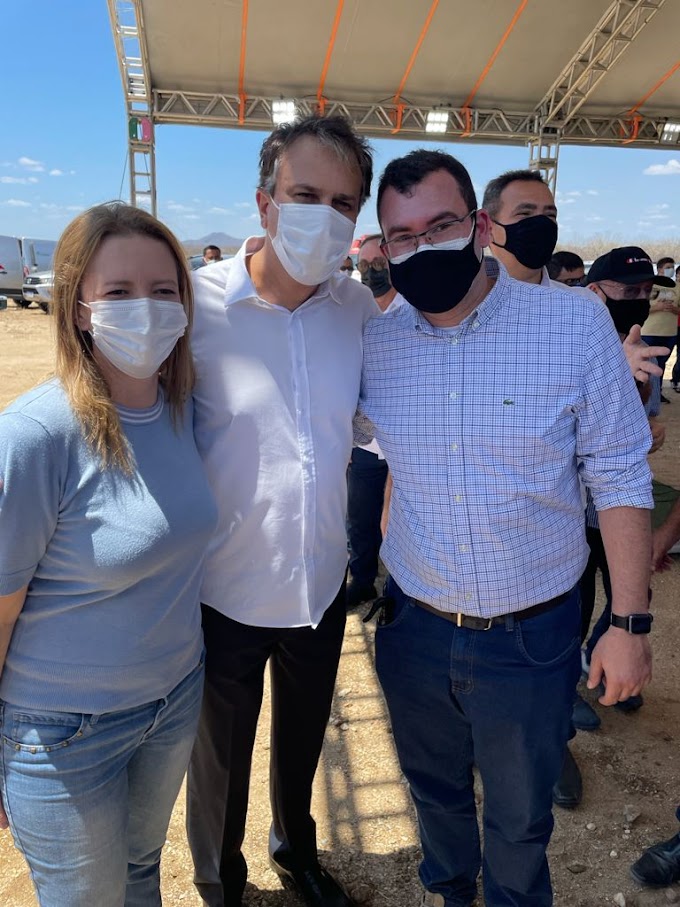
(274, 401)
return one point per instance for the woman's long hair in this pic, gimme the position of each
(76, 367)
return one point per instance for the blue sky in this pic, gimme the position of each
(64, 147)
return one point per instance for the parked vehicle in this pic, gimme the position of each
(38, 288)
(19, 258)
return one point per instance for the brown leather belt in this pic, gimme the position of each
(486, 623)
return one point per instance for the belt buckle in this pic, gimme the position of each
(489, 623)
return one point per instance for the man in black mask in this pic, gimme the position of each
(367, 471)
(477, 645)
(523, 224)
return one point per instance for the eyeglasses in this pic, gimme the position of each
(378, 263)
(573, 281)
(347, 268)
(444, 232)
(628, 292)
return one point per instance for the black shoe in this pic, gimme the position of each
(676, 388)
(659, 865)
(356, 593)
(568, 791)
(583, 716)
(315, 886)
(664, 399)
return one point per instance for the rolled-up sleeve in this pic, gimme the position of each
(613, 437)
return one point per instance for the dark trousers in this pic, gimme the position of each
(303, 664)
(597, 560)
(661, 341)
(366, 477)
(500, 699)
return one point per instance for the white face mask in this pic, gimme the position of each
(311, 241)
(136, 335)
(452, 245)
(669, 272)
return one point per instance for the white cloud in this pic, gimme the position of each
(29, 164)
(567, 201)
(243, 205)
(56, 172)
(670, 168)
(594, 218)
(655, 209)
(14, 180)
(48, 207)
(658, 216)
(644, 223)
(191, 217)
(217, 210)
(175, 206)
(74, 208)
(253, 216)
(575, 193)
(17, 203)
(592, 192)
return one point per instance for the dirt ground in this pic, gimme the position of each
(366, 827)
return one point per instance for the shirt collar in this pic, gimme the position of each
(239, 285)
(484, 311)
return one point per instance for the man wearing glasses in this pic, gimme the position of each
(567, 268)
(477, 647)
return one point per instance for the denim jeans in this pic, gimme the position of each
(366, 477)
(89, 797)
(661, 341)
(499, 699)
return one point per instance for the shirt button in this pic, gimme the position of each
(468, 597)
(454, 447)
(463, 548)
(475, 324)
(453, 395)
(454, 340)
(458, 498)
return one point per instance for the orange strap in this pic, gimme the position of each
(487, 69)
(321, 101)
(635, 118)
(242, 66)
(399, 106)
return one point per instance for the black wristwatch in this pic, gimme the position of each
(633, 623)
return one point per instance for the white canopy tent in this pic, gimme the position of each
(536, 72)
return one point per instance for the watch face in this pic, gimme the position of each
(640, 623)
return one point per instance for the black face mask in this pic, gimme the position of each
(532, 240)
(377, 280)
(627, 312)
(435, 281)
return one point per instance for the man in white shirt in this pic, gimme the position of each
(278, 346)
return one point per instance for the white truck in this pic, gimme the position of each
(21, 256)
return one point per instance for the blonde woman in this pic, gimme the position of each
(104, 517)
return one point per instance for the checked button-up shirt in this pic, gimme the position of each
(490, 429)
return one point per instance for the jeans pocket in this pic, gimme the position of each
(29, 731)
(395, 612)
(549, 638)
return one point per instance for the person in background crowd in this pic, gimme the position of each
(659, 865)
(278, 344)
(211, 254)
(477, 645)
(367, 472)
(347, 267)
(675, 375)
(101, 552)
(623, 279)
(567, 268)
(661, 327)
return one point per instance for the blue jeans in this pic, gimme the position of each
(500, 699)
(89, 797)
(366, 477)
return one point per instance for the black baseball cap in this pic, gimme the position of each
(628, 264)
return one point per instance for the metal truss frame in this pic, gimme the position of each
(604, 46)
(127, 23)
(378, 120)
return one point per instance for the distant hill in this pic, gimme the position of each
(223, 240)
